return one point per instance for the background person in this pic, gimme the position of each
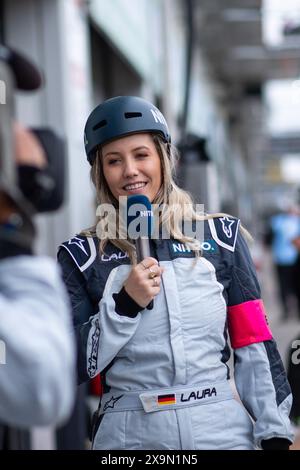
(37, 373)
(284, 228)
(37, 379)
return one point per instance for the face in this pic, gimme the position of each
(131, 165)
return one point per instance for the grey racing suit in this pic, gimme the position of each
(165, 372)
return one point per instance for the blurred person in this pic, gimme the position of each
(160, 365)
(35, 325)
(37, 363)
(296, 243)
(284, 228)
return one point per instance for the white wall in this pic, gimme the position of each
(126, 24)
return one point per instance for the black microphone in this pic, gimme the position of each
(27, 75)
(140, 223)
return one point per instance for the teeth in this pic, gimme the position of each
(134, 186)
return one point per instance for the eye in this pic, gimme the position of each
(142, 155)
(113, 161)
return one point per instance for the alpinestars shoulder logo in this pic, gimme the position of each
(111, 402)
(226, 226)
(79, 242)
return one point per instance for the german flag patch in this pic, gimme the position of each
(166, 399)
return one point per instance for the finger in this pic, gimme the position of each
(146, 263)
(155, 282)
(153, 271)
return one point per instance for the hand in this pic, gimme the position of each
(28, 150)
(139, 286)
(7, 207)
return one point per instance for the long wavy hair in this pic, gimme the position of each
(175, 204)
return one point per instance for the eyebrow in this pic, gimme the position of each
(133, 150)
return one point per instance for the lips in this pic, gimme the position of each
(135, 186)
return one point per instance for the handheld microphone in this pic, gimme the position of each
(140, 223)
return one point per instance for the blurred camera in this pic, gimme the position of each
(33, 189)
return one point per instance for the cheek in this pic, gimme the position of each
(111, 178)
(155, 172)
(158, 175)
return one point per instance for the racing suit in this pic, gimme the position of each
(165, 372)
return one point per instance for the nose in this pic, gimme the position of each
(130, 168)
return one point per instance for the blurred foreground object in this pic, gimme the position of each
(36, 367)
(35, 187)
(37, 351)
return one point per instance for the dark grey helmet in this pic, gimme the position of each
(121, 116)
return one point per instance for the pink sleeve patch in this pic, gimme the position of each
(247, 324)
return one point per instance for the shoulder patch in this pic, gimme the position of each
(82, 249)
(224, 231)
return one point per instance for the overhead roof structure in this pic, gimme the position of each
(231, 33)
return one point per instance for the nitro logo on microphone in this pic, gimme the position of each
(146, 213)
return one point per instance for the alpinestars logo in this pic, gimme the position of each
(93, 359)
(226, 226)
(79, 242)
(111, 402)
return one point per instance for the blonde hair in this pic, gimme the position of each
(175, 204)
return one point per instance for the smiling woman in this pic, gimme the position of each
(160, 365)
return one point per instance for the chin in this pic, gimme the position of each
(137, 191)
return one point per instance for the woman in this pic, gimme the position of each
(164, 370)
